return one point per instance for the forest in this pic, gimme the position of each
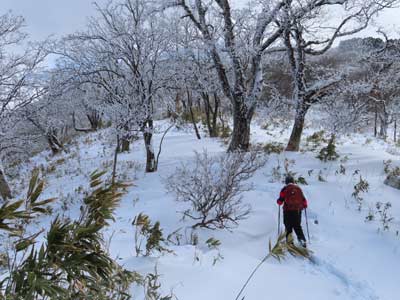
(152, 129)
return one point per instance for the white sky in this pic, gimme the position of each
(58, 17)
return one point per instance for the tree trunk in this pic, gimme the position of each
(125, 144)
(215, 117)
(95, 121)
(53, 141)
(395, 131)
(207, 109)
(114, 172)
(376, 121)
(384, 120)
(190, 104)
(297, 130)
(5, 191)
(196, 130)
(211, 114)
(241, 129)
(148, 142)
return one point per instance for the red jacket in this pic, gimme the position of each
(282, 196)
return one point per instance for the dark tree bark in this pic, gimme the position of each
(5, 191)
(190, 107)
(196, 129)
(297, 131)
(95, 120)
(376, 121)
(244, 88)
(240, 139)
(304, 95)
(384, 122)
(296, 55)
(125, 144)
(114, 172)
(150, 156)
(51, 135)
(211, 110)
(53, 141)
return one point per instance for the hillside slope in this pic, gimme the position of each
(354, 259)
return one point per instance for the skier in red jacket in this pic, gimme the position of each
(293, 200)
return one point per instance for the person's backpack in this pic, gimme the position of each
(293, 197)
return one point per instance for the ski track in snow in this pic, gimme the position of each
(356, 289)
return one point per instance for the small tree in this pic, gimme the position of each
(329, 153)
(213, 188)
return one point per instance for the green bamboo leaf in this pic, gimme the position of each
(44, 202)
(33, 182)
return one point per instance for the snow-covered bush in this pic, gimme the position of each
(213, 187)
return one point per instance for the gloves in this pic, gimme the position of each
(305, 203)
(280, 202)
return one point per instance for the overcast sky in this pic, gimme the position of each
(58, 17)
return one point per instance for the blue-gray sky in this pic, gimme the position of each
(51, 17)
(58, 17)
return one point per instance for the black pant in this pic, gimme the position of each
(292, 220)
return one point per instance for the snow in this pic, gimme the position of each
(353, 259)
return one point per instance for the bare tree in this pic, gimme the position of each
(304, 35)
(241, 74)
(19, 84)
(240, 79)
(213, 187)
(382, 67)
(121, 52)
(196, 75)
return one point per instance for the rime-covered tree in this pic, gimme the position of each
(239, 68)
(382, 68)
(121, 52)
(195, 81)
(19, 80)
(312, 34)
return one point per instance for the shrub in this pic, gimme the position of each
(316, 139)
(278, 174)
(385, 218)
(389, 170)
(329, 153)
(224, 132)
(150, 233)
(73, 262)
(361, 187)
(214, 244)
(273, 147)
(213, 187)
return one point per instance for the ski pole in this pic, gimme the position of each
(308, 231)
(279, 221)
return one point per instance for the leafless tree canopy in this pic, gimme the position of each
(213, 187)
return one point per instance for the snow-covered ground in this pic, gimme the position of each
(354, 259)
